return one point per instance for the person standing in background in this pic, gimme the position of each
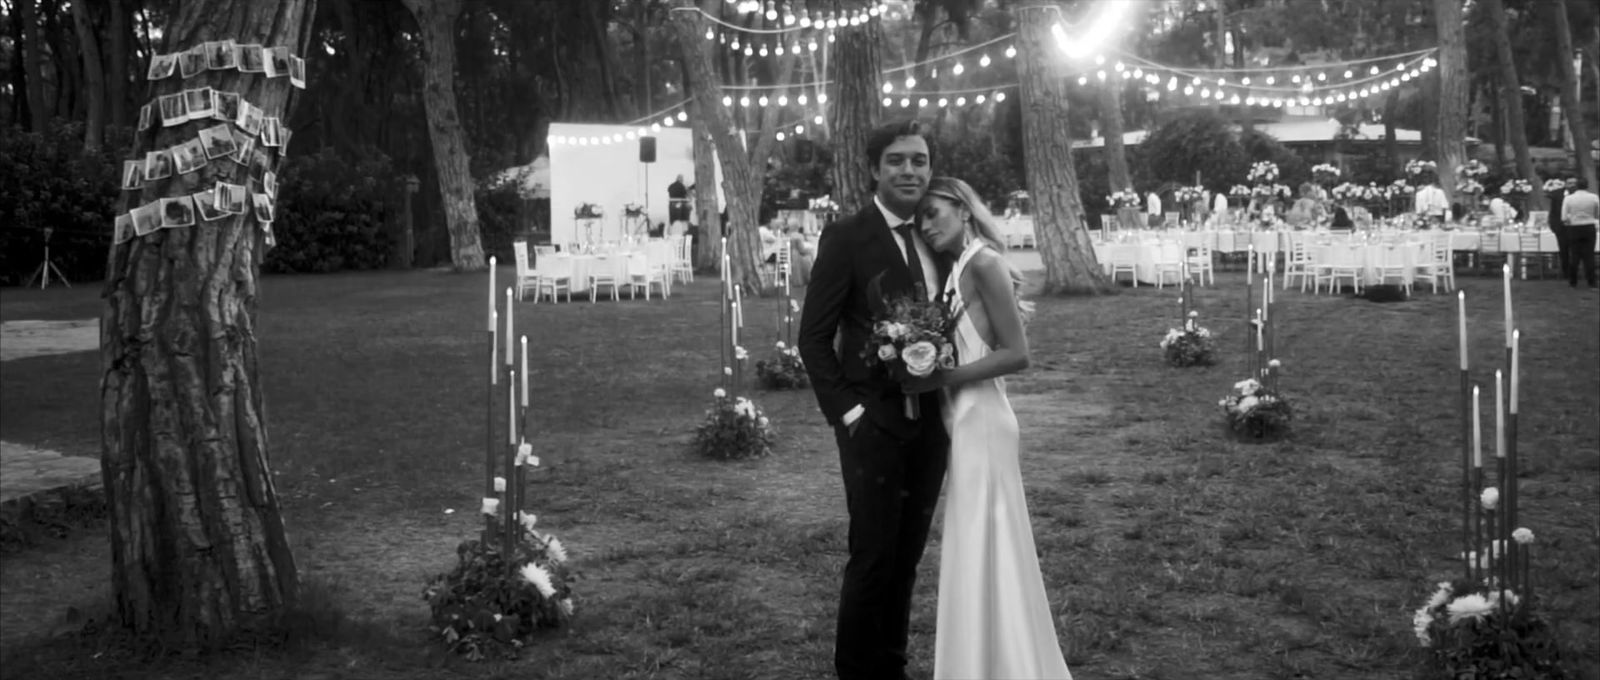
(1581, 213)
(1558, 226)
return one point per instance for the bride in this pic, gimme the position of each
(994, 621)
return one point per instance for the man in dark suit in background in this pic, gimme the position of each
(893, 465)
(1557, 228)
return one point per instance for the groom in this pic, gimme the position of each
(893, 466)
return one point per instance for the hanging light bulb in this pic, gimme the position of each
(905, 102)
(799, 129)
(1295, 78)
(780, 135)
(1118, 66)
(1101, 74)
(801, 100)
(887, 102)
(656, 127)
(1205, 92)
(1321, 76)
(812, 46)
(922, 103)
(1172, 84)
(830, 38)
(744, 101)
(818, 118)
(1188, 89)
(664, 121)
(779, 49)
(1270, 80)
(727, 101)
(783, 100)
(1138, 73)
(1011, 51)
(888, 87)
(910, 82)
(999, 96)
(1099, 59)
(748, 52)
(735, 44)
(763, 50)
(1374, 70)
(1083, 80)
(683, 115)
(1347, 73)
(979, 100)
(1249, 101)
(984, 62)
(710, 34)
(957, 69)
(1245, 80)
(934, 73)
(961, 101)
(762, 101)
(788, 19)
(822, 98)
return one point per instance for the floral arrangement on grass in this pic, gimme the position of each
(783, 372)
(1554, 185)
(733, 429)
(587, 210)
(1189, 346)
(482, 609)
(1516, 187)
(1263, 172)
(1417, 166)
(1256, 410)
(1125, 198)
(1473, 169)
(1325, 174)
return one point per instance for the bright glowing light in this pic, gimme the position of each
(999, 96)
(1083, 80)
(961, 101)
(888, 87)
(801, 100)
(817, 119)
(905, 102)
(822, 98)
(780, 135)
(958, 68)
(799, 129)
(1011, 52)
(922, 102)
(727, 101)
(783, 100)
(744, 101)
(979, 100)
(683, 116)
(762, 101)
(984, 62)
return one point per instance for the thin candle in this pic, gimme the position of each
(1507, 269)
(1477, 431)
(1461, 299)
(494, 347)
(510, 311)
(491, 294)
(511, 409)
(524, 371)
(1499, 416)
(1516, 367)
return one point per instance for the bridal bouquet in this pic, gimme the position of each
(911, 337)
(733, 429)
(483, 609)
(1190, 346)
(1256, 410)
(785, 372)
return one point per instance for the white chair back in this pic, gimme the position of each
(521, 251)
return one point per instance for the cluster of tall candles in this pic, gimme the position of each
(732, 323)
(504, 496)
(1488, 548)
(1261, 344)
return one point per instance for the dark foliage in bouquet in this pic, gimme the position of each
(910, 334)
(734, 429)
(587, 210)
(1190, 346)
(784, 371)
(1256, 410)
(482, 611)
(1468, 633)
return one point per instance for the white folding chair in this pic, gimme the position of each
(527, 278)
(641, 275)
(607, 270)
(1201, 265)
(682, 267)
(1297, 263)
(1391, 261)
(552, 276)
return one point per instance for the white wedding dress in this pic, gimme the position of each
(994, 620)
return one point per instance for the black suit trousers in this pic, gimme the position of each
(891, 486)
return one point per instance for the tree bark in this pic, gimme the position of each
(1111, 129)
(94, 77)
(1391, 108)
(854, 108)
(1512, 86)
(1497, 109)
(1570, 105)
(741, 176)
(1452, 119)
(39, 108)
(116, 61)
(1070, 265)
(437, 21)
(197, 539)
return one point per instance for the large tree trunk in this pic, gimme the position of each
(1391, 148)
(1111, 130)
(741, 177)
(197, 540)
(94, 78)
(1497, 109)
(854, 108)
(1452, 119)
(708, 245)
(437, 21)
(1070, 265)
(1570, 104)
(39, 108)
(1512, 86)
(116, 62)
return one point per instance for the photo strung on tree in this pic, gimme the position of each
(260, 163)
(147, 218)
(283, 140)
(221, 55)
(122, 228)
(162, 66)
(231, 198)
(157, 164)
(269, 184)
(278, 62)
(251, 59)
(245, 146)
(250, 118)
(219, 141)
(132, 175)
(144, 118)
(192, 61)
(263, 207)
(190, 156)
(177, 212)
(269, 132)
(226, 105)
(206, 203)
(297, 72)
(200, 104)
(174, 110)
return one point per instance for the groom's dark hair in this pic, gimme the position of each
(884, 135)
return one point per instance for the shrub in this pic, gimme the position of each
(332, 213)
(1196, 141)
(46, 180)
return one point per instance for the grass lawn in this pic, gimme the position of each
(1169, 549)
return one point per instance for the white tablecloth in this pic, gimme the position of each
(1144, 256)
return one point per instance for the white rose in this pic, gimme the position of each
(719, 393)
(920, 358)
(1523, 535)
(885, 352)
(1247, 403)
(763, 422)
(780, 344)
(1490, 498)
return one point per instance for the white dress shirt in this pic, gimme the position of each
(1431, 201)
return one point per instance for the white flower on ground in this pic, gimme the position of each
(1439, 596)
(1193, 314)
(1472, 606)
(781, 345)
(740, 354)
(744, 407)
(1523, 535)
(1490, 498)
(921, 358)
(1420, 622)
(528, 520)
(719, 393)
(885, 352)
(727, 370)
(1247, 403)
(535, 574)
(565, 604)
(555, 551)
(763, 422)
(491, 506)
(499, 484)
(1247, 387)
(1274, 363)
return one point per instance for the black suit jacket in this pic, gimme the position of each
(836, 323)
(1556, 197)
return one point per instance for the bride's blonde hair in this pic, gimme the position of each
(983, 226)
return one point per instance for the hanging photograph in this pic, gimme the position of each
(226, 105)
(144, 118)
(221, 55)
(249, 118)
(250, 59)
(260, 163)
(269, 183)
(199, 103)
(231, 198)
(192, 61)
(263, 205)
(269, 132)
(132, 174)
(206, 203)
(147, 218)
(190, 156)
(283, 140)
(246, 145)
(177, 212)
(297, 72)
(173, 110)
(122, 228)
(218, 141)
(277, 62)
(162, 66)
(266, 230)
(158, 165)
